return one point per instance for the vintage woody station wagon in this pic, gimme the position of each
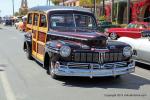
(65, 40)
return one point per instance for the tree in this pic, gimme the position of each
(16, 14)
(56, 2)
(89, 3)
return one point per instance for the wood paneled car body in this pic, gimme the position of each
(66, 42)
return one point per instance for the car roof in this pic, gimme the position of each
(53, 8)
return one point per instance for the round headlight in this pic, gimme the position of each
(65, 51)
(127, 51)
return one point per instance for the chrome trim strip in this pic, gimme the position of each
(96, 65)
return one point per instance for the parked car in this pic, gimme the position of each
(133, 30)
(104, 25)
(16, 24)
(141, 47)
(8, 22)
(22, 24)
(66, 42)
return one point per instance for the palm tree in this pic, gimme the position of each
(90, 4)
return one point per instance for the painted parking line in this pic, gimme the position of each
(6, 86)
(140, 76)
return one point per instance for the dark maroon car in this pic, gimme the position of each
(73, 46)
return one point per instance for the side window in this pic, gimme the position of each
(35, 21)
(30, 19)
(43, 22)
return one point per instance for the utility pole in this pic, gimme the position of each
(13, 6)
(112, 10)
(128, 11)
(95, 7)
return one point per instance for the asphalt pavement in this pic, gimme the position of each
(23, 79)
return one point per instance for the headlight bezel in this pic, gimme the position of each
(127, 51)
(65, 51)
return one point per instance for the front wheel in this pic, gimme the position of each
(113, 36)
(51, 69)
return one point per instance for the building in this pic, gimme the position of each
(71, 3)
(23, 8)
(139, 10)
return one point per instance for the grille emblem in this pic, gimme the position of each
(101, 57)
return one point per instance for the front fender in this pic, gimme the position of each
(132, 42)
(55, 45)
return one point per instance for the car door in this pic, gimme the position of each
(41, 37)
(143, 51)
(34, 34)
(127, 31)
(133, 31)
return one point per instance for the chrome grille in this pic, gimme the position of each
(98, 57)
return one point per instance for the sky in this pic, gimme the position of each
(6, 6)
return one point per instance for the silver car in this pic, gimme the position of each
(141, 47)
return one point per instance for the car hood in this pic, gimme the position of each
(79, 35)
(92, 39)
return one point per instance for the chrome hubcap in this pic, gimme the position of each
(113, 36)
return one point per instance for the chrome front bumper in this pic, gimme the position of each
(94, 70)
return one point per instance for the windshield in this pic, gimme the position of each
(105, 23)
(131, 25)
(72, 21)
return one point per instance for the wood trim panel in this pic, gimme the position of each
(40, 57)
(40, 49)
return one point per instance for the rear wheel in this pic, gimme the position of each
(113, 36)
(28, 52)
